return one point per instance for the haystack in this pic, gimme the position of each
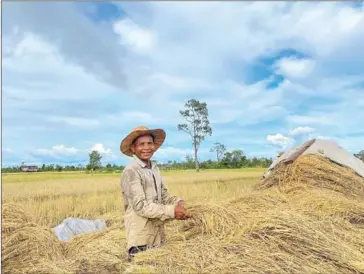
(317, 228)
(13, 218)
(27, 247)
(240, 238)
(98, 252)
(319, 164)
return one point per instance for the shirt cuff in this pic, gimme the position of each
(170, 211)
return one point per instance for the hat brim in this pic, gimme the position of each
(158, 134)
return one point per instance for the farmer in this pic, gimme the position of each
(147, 202)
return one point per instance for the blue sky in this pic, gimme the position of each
(80, 76)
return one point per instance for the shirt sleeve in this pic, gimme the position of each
(134, 193)
(167, 197)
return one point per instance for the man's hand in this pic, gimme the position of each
(180, 213)
(181, 202)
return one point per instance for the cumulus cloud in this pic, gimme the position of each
(133, 36)
(279, 140)
(74, 121)
(299, 57)
(295, 68)
(96, 50)
(7, 150)
(56, 151)
(318, 119)
(301, 131)
(101, 149)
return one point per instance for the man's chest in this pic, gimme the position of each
(152, 183)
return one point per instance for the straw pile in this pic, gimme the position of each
(98, 252)
(242, 239)
(308, 217)
(315, 171)
(27, 247)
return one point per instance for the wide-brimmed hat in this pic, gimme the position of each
(158, 134)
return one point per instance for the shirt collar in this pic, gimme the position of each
(141, 163)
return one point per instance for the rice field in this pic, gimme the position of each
(52, 197)
(240, 225)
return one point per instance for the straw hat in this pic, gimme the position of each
(158, 134)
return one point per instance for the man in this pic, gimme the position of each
(147, 202)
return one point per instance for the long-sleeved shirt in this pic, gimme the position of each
(147, 203)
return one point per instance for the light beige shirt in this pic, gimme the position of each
(147, 204)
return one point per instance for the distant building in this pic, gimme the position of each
(29, 168)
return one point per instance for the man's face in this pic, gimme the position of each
(143, 147)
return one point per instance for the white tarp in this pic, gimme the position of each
(325, 148)
(74, 226)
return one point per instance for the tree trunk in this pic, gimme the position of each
(196, 161)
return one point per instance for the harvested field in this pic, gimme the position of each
(301, 221)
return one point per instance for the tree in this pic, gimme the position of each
(237, 158)
(360, 155)
(220, 151)
(95, 160)
(198, 126)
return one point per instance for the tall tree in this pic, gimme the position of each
(197, 126)
(219, 149)
(95, 160)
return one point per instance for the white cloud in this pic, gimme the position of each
(95, 51)
(134, 36)
(7, 150)
(324, 137)
(74, 121)
(319, 119)
(279, 140)
(56, 151)
(301, 131)
(184, 83)
(101, 149)
(295, 68)
(171, 53)
(137, 116)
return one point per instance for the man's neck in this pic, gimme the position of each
(147, 162)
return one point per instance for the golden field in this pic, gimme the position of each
(237, 227)
(52, 197)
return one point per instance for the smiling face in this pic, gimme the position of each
(143, 147)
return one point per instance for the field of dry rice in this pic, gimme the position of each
(240, 226)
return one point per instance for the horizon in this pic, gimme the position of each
(273, 75)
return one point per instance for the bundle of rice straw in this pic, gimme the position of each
(27, 247)
(13, 218)
(326, 203)
(269, 241)
(315, 171)
(98, 252)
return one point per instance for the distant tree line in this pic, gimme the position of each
(233, 159)
(59, 168)
(224, 159)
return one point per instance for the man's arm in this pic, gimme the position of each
(168, 198)
(133, 190)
